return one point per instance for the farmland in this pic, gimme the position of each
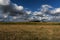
(29, 31)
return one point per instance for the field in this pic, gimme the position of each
(30, 31)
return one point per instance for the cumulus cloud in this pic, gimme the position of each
(10, 12)
(45, 8)
(4, 2)
(28, 12)
(18, 7)
(55, 11)
(46, 14)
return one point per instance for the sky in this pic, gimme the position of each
(29, 10)
(35, 4)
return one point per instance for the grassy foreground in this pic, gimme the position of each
(29, 32)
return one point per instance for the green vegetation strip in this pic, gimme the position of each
(31, 23)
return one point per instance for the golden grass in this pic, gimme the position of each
(29, 32)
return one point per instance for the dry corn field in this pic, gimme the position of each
(29, 32)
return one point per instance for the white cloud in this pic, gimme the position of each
(16, 13)
(45, 8)
(11, 11)
(55, 11)
(28, 12)
(19, 8)
(5, 16)
(14, 17)
(37, 13)
(4, 2)
(46, 14)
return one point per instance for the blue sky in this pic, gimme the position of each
(35, 4)
(27, 10)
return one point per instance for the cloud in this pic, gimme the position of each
(28, 12)
(55, 11)
(45, 8)
(4, 2)
(19, 8)
(46, 14)
(41, 15)
(11, 12)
